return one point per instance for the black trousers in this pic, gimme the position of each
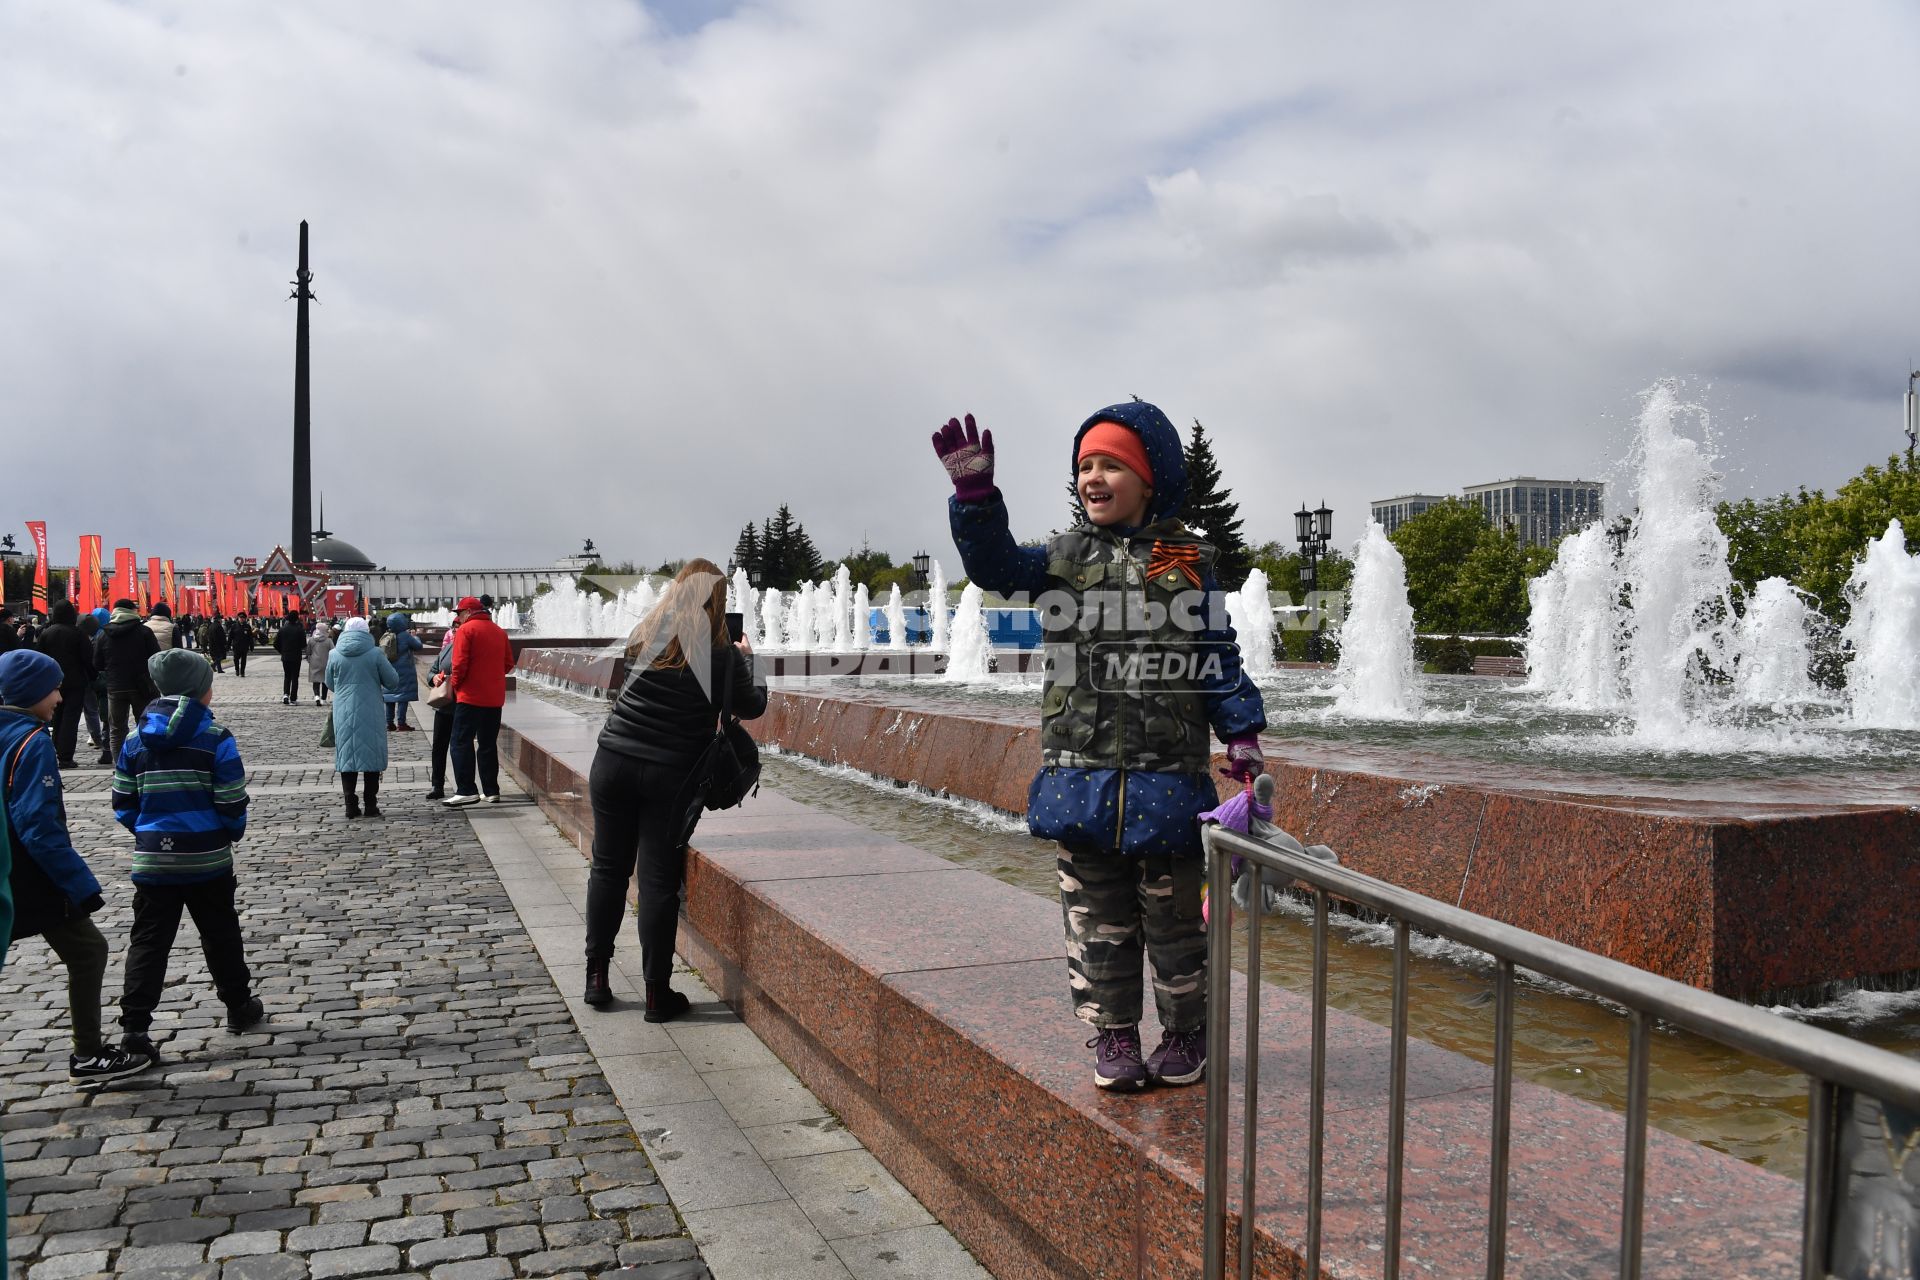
(637, 819)
(66, 720)
(442, 742)
(240, 661)
(290, 685)
(476, 740)
(348, 780)
(156, 919)
(124, 705)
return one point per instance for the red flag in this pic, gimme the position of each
(38, 528)
(96, 588)
(173, 593)
(124, 573)
(153, 595)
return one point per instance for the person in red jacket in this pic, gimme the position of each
(481, 659)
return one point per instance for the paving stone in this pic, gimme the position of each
(448, 1249)
(276, 1266)
(643, 1253)
(143, 1258)
(519, 1240)
(333, 1235)
(243, 1243)
(364, 1261)
(67, 1265)
(180, 1230)
(363, 1210)
(407, 1230)
(478, 1269)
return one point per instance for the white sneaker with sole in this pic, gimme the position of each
(457, 802)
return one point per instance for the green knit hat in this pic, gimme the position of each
(180, 672)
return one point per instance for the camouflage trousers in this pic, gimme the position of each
(1116, 907)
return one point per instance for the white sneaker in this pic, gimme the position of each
(458, 802)
(494, 798)
(316, 702)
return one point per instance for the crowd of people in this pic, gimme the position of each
(143, 686)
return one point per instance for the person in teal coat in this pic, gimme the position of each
(359, 675)
(399, 645)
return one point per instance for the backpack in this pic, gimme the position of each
(390, 646)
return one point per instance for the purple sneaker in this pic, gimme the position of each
(1181, 1057)
(1116, 1059)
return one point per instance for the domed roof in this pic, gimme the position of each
(338, 553)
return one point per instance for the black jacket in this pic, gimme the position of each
(664, 717)
(291, 641)
(241, 634)
(121, 650)
(65, 645)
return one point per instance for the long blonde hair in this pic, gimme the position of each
(693, 608)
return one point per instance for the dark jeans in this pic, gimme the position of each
(80, 946)
(66, 721)
(124, 705)
(637, 818)
(90, 707)
(396, 713)
(476, 737)
(347, 781)
(240, 661)
(290, 685)
(442, 741)
(156, 919)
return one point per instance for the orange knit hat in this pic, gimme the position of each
(1120, 443)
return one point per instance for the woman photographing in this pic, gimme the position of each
(683, 667)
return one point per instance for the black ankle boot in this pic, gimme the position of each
(664, 1003)
(599, 990)
(372, 781)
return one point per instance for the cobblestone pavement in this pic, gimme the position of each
(419, 1102)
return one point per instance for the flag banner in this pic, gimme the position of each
(96, 587)
(38, 528)
(173, 593)
(123, 574)
(153, 585)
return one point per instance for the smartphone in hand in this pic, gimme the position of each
(736, 627)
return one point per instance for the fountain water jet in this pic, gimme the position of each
(972, 647)
(862, 623)
(896, 619)
(770, 638)
(1776, 647)
(1573, 652)
(937, 606)
(1375, 675)
(1883, 680)
(1251, 611)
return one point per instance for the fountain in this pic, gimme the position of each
(937, 606)
(896, 619)
(1776, 648)
(969, 659)
(1375, 676)
(568, 611)
(743, 601)
(800, 619)
(1572, 651)
(1883, 680)
(1251, 611)
(842, 610)
(862, 620)
(771, 639)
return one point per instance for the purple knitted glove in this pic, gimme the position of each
(1244, 761)
(967, 454)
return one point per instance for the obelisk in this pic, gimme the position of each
(301, 545)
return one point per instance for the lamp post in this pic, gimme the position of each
(922, 562)
(1314, 531)
(1913, 415)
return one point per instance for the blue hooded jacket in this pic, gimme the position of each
(181, 788)
(37, 816)
(1162, 815)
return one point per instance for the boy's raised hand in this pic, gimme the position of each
(967, 454)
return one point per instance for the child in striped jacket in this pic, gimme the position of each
(180, 787)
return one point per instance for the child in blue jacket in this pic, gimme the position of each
(54, 891)
(181, 788)
(1141, 665)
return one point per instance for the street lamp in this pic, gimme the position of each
(922, 563)
(1314, 532)
(1913, 415)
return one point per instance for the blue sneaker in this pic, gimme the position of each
(1116, 1060)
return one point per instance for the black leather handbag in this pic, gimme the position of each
(728, 771)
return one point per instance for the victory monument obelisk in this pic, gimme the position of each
(301, 547)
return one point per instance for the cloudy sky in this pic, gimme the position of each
(642, 271)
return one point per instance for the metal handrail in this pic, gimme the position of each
(1831, 1061)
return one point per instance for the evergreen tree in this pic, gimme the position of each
(787, 555)
(746, 552)
(1210, 507)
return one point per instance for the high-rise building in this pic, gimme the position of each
(1541, 511)
(1391, 513)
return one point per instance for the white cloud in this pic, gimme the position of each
(591, 269)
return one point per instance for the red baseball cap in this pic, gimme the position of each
(469, 604)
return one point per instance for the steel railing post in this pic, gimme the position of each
(1316, 1132)
(1633, 1200)
(1397, 1100)
(1817, 1228)
(1219, 1034)
(1501, 1140)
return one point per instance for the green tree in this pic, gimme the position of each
(1435, 545)
(1490, 591)
(866, 564)
(1209, 506)
(746, 552)
(788, 556)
